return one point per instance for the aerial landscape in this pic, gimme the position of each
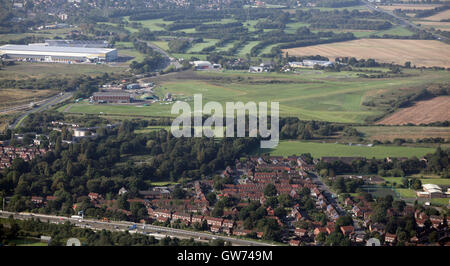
(199, 123)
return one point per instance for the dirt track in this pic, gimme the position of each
(436, 109)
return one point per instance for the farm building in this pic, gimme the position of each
(44, 53)
(111, 97)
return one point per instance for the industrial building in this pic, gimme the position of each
(62, 54)
(111, 97)
(78, 43)
(431, 191)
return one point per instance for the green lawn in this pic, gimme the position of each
(27, 242)
(187, 56)
(247, 48)
(151, 129)
(162, 183)
(292, 27)
(406, 193)
(317, 150)
(153, 24)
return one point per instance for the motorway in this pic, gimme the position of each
(43, 105)
(165, 54)
(156, 231)
(404, 21)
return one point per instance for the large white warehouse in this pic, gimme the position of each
(42, 53)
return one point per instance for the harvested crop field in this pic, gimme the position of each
(436, 109)
(419, 52)
(444, 26)
(439, 16)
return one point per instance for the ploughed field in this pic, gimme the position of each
(427, 53)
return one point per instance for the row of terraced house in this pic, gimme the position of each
(9, 153)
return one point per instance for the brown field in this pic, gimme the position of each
(11, 97)
(436, 109)
(419, 52)
(444, 26)
(439, 16)
(409, 7)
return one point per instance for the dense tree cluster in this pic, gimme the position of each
(103, 165)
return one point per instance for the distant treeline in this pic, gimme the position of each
(438, 163)
(338, 3)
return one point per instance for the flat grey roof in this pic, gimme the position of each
(39, 48)
(112, 94)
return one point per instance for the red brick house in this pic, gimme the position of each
(319, 230)
(294, 243)
(94, 196)
(228, 223)
(347, 230)
(390, 238)
(197, 219)
(212, 221)
(300, 232)
(183, 217)
(238, 232)
(215, 229)
(37, 200)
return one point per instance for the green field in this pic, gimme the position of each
(309, 95)
(426, 180)
(317, 150)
